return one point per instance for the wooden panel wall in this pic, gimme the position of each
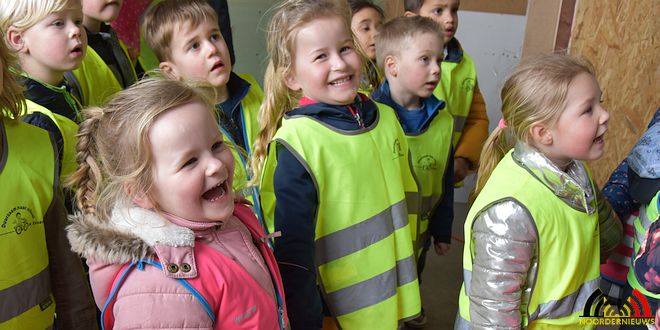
(621, 39)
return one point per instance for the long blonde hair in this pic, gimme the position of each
(534, 93)
(12, 101)
(288, 18)
(113, 144)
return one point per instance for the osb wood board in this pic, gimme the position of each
(513, 7)
(621, 39)
(394, 8)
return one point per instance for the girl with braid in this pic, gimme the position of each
(167, 244)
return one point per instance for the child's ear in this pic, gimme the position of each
(291, 81)
(15, 39)
(541, 134)
(139, 198)
(390, 65)
(409, 13)
(169, 70)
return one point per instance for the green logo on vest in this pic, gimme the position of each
(396, 149)
(427, 163)
(468, 84)
(18, 220)
(599, 311)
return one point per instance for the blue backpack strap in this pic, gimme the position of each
(140, 265)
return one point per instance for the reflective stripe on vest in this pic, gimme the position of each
(364, 253)
(568, 239)
(648, 214)
(249, 115)
(429, 152)
(28, 182)
(68, 130)
(94, 81)
(460, 78)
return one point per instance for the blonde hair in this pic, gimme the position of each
(113, 148)
(12, 101)
(534, 93)
(23, 14)
(287, 20)
(393, 34)
(162, 18)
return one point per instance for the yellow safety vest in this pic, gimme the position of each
(28, 180)
(93, 80)
(456, 88)
(648, 214)
(250, 114)
(429, 152)
(568, 249)
(68, 129)
(364, 254)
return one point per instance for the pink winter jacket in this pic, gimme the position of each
(151, 298)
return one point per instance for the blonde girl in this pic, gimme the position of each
(539, 226)
(334, 176)
(166, 243)
(40, 275)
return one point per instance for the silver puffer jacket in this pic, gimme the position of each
(507, 265)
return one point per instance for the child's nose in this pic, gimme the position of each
(605, 116)
(211, 49)
(214, 166)
(338, 63)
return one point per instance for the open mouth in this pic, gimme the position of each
(216, 193)
(599, 139)
(341, 82)
(78, 50)
(218, 65)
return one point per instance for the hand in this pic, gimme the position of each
(461, 168)
(441, 248)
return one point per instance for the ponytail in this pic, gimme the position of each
(87, 178)
(495, 147)
(277, 101)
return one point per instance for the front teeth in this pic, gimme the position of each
(339, 82)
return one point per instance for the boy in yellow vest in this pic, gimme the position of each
(107, 68)
(459, 86)
(49, 39)
(40, 275)
(186, 39)
(409, 51)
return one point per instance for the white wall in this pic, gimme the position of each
(249, 20)
(495, 42)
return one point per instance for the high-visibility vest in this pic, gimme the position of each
(250, 115)
(364, 253)
(68, 128)
(93, 82)
(648, 214)
(28, 181)
(429, 152)
(568, 248)
(456, 88)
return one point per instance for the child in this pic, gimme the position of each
(107, 68)
(409, 49)
(155, 187)
(538, 227)
(458, 87)
(335, 179)
(644, 187)
(365, 22)
(617, 192)
(49, 38)
(40, 275)
(185, 36)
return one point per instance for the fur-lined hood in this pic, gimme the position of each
(129, 235)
